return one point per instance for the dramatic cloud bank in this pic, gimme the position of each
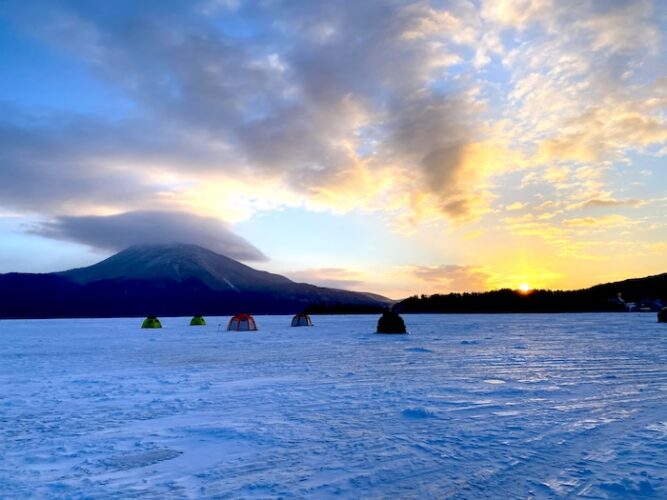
(431, 100)
(534, 118)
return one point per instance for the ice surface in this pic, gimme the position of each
(493, 406)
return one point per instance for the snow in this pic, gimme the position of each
(465, 406)
(231, 285)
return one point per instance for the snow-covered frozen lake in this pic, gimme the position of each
(466, 406)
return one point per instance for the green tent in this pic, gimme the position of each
(151, 322)
(197, 321)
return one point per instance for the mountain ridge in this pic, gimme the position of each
(177, 261)
(169, 280)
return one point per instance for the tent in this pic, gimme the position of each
(198, 321)
(662, 315)
(391, 322)
(151, 322)
(301, 319)
(242, 322)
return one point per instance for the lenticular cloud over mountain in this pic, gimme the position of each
(120, 231)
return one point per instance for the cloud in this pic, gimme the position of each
(517, 205)
(40, 169)
(331, 277)
(611, 202)
(586, 95)
(517, 13)
(392, 107)
(603, 221)
(604, 131)
(609, 27)
(54, 162)
(318, 107)
(453, 278)
(117, 232)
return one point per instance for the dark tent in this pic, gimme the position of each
(301, 319)
(391, 322)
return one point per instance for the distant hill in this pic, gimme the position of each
(168, 280)
(649, 292)
(635, 289)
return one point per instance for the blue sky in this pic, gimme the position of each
(396, 147)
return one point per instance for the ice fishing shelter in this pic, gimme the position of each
(242, 323)
(198, 321)
(662, 315)
(391, 322)
(301, 319)
(151, 322)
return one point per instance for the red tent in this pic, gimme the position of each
(242, 323)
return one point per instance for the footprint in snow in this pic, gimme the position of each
(135, 460)
(418, 349)
(417, 413)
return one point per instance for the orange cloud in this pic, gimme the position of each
(603, 221)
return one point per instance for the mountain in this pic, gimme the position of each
(168, 280)
(649, 293)
(177, 262)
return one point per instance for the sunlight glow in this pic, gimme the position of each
(524, 288)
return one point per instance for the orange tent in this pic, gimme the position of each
(242, 323)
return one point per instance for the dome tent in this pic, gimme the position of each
(151, 322)
(198, 321)
(301, 319)
(662, 315)
(391, 322)
(242, 323)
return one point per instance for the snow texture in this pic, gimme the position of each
(486, 406)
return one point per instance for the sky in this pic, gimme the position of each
(388, 146)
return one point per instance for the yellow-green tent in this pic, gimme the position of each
(198, 321)
(151, 322)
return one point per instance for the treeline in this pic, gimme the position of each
(506, 300)
(651, 290)
(607, 297)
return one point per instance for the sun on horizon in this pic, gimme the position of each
(524, 288)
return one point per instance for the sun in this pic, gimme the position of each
(524, 288)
